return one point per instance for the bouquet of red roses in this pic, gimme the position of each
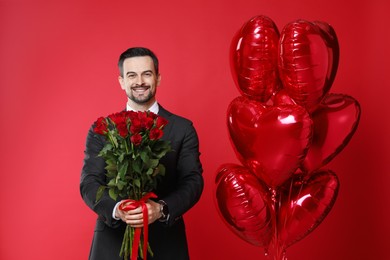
(132, 153)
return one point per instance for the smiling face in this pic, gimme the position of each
(140, 82)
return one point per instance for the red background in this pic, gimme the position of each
(58, 74)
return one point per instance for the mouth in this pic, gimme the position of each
(140, 89)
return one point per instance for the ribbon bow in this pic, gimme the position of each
(130, 204)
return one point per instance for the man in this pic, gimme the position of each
(179, 189)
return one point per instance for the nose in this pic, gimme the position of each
(140, 80)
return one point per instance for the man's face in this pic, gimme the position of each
(139, 80)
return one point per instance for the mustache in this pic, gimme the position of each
(143, 85)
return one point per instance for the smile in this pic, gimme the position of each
(140, 88)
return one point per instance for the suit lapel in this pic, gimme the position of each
(169, 117)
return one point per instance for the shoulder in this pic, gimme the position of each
(178, 128)
(174, 118)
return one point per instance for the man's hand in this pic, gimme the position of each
(134, 217)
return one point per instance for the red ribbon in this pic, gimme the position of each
(129, 204)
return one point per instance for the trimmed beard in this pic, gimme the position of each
(142, 100)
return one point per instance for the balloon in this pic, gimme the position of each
(243, 203)
(254, 58)
(335, 122)
(304, 205)
(308, 60)
(271, 141)
(284, 128)
(332, 43)
(282, 98)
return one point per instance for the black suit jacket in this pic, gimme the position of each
(180, 188)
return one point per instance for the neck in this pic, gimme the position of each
(140, 107)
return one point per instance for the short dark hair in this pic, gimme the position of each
(137, 52)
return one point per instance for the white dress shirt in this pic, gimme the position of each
(154, 108)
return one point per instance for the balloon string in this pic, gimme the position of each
(276, 248)
(288, 199)
(130, 204)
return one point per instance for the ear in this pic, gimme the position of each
(121, 82)
(158, 79)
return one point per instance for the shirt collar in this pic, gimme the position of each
(154, 108)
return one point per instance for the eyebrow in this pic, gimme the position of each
(143, 72)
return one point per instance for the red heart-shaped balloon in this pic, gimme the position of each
(304, 205)
(331, 41)
(243, 203)
(271, 141)
(254, 58)
(282, 98)
(308, 60)
(334, 124)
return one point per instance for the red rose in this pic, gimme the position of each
(135, 125)
(118, 118)
(145, 120)
(152, 115)
(155, 134)
(142, 115)
(148, 123)
(122, 129)
(136, 139)
(101, 126)
(161, 122)
(131, 115)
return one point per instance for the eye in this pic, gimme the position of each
(131, 75)
(148, 74)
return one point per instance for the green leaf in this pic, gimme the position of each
(144, 156)
(123, 169)
(111, 165)
(121, 184)
(161, 148)
(153, 163)
(161, 170)
(149, 171)
(137, 166)
(113, 138)
(111, 183)
(99, 193)
(107, 147)
(137, 183)
(112, 174)
(121, 157)
(112, 193)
